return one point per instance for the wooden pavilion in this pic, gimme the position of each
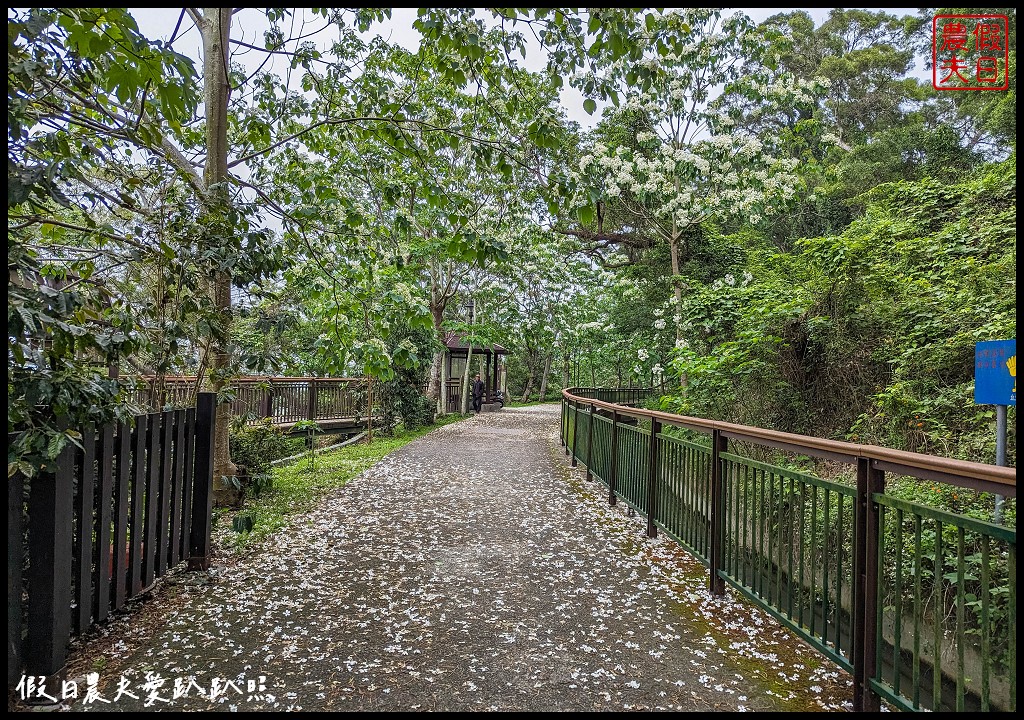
(491, 369)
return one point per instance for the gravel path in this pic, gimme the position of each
(472, 569)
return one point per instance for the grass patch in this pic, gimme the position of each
(296, 488)
(528, 403)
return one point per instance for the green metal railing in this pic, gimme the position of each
(620, 396)
(918, 603)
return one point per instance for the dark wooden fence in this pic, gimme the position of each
(98, 529)
(917, 602)
(285, 400)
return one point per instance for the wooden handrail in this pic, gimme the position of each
(252, 378)
(981, 476)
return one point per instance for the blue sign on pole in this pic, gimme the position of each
(995, 372)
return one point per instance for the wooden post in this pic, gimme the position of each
(137, 510)
(83, 509)
(124, 478)
(15, 507)
(103, 554)
(177, 482)
(652, 479)
(152, 499)
(312, 399)
(50, 502)
(485, 364)
(186, 495)
(268, 402)
(719, 444)
(202, 489)
(163, 530)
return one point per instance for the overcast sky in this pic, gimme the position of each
(249, 25)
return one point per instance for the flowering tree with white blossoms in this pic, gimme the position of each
(686, 161)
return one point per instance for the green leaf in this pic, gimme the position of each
(586, 214)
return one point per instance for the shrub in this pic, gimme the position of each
(405, 402)
(253, 447)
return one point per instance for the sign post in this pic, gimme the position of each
(995, 383)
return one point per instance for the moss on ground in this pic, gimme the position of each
(795, 656)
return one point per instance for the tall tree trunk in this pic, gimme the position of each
(528, 388)
(565, 377)
(677, 286)
(677, 289)
(369, 409)
(434, 377)
(435, 387)
(544, 377)
(215, 28)
(442, 398)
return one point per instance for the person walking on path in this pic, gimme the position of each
(478, 393)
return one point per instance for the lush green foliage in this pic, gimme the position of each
(255, 446)
(777, 224)
(869, 334)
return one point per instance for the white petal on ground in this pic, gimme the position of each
(473, 569)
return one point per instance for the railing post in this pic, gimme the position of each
(590, 442)
(719, 444)
(613, 474)
(575, 430)
(312, 399)
(565, 404)
(202, 483)
(859, 572)
(652, 479)
(561, 424)
(268, 401)
(50, 503)
(866, 578)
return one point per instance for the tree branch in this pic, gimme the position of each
(38, 219)
(606, 239)
(175, 157)
(424, 127)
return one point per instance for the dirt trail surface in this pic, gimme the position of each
(470, 570)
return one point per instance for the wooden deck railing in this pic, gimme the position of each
(285, 400)
(918, 603)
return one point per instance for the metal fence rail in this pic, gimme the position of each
(918, 603)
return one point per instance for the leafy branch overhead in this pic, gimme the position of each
(776, 223)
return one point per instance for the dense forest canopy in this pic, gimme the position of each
(778, 224)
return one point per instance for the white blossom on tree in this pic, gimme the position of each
(688, 161)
